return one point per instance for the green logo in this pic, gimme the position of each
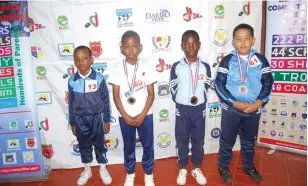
(295, 103)
(164, 113)
(62, 20)
(13, 124)
(219, 10)
(41, 71)
(283, 124)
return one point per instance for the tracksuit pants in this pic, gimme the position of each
(145, 132)
(190, 126)
(234, 122)
(89, 133)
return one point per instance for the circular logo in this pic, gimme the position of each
(13, 124)
(62, 20)
(112, 143)
(215, 133)
(220, 37)
(163, 140)
(164, 113)
(219, 10)
(41, 71)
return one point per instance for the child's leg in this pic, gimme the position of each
(197, 134)
(84, 138)
(145, 131)
(129, 140)
(230, 124)
(182, 134)
(99, 139)
(249, 130)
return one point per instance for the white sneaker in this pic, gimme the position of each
(84, 177)
(181, 180)
(129, 180)
(148, 180)
(105, 176)
(197, 173)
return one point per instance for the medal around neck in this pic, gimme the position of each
(131, 100)
(194, 100)
(243, 89)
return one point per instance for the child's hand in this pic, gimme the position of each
(139, 119)
(253, 107)
(106, 127)
(241, 105)
(74, 130)
(129, 120)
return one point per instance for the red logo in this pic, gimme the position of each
(190, 15)
(31, 142)
(162, 65)
(96, 48)
(47, 151)
(34, 26)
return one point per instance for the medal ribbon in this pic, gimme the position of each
(131, 86)
(194, 80)
(243, 78)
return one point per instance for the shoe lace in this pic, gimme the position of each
(198, 173)
(85, 174)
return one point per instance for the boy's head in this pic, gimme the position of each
(190, 43)
(83, 59)
(243, 38)
(130, 45)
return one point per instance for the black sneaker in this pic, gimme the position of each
(253, 174)
(225, 175)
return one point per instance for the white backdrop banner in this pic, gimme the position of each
(58, 27)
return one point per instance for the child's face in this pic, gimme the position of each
(243, 41)
(131, 48)
(191, 46)
(83, 60)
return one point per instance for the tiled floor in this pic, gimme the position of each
(278, 169)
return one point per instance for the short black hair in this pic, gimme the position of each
(82, 47)
(243, 26)
(130, 33)
(190, 33)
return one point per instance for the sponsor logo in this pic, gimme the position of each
(283, 102)
(246, 10)
(43, 98)
(28, 157)
(63, 23)
(215, 133)
(5, 28)
(281, 134)
(291, 136)
(93, 20)
(75, 147)
(304, 115)
(112, 143)
(284, 113)
(218, 59)
(283, 124)
(292, 126)
(274, 101)
(66, 49)
(264, 121)
(69, 71)
(44, 124)
(162, 65)
(13, 144)
(164, 114)
(29, 124)
(13, 125)
(163, 88)
(274, 112)
(161, 43)
(41, 72)
(162, 16)
(163, 140)
(215, 109)
(263, 132)
(37, 52)
(9, 158)
(31, 143)
(273, 133)
(295, 103)
(220, 37)
(293, 115)
(219, 11)
(96, 48)
(124, 17)
(35, 26)
(302, 127)
(189, 15)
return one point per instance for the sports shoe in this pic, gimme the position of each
(129, 180)
(253, 174)
(198, 175)
(148, 180)
(181, 180)
(225, 175)
(105, 176)
(84, 177)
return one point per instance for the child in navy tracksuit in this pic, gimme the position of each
(89, 113)
(243, 83)
(189, 81)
